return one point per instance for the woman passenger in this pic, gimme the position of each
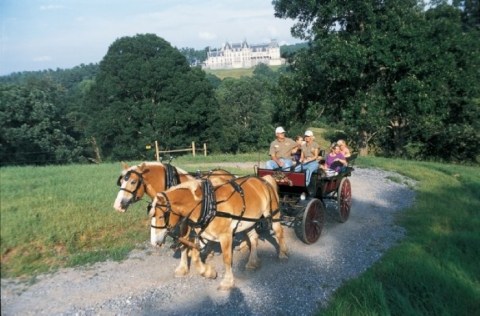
(335, 159)
(343, 148)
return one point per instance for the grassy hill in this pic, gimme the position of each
(235, 73)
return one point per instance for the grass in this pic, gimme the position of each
(62, 216)
(435, 270)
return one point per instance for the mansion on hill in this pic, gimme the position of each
(243, 55)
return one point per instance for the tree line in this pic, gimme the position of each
(394, 78)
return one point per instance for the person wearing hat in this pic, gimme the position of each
(309, 156)
(281, 151)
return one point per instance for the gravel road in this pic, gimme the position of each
(144, 283)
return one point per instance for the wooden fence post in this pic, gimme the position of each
(193, 149)
(157, 154)
(205, 149)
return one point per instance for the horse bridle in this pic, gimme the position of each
(126, 177)
(166, 213)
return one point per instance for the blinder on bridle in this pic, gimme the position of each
(126, 178)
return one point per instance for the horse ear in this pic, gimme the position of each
(197, 191)
(151, 213)
(125, 166)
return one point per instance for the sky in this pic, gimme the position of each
(51, 34)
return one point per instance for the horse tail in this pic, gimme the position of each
(273, 192)
(271, 181)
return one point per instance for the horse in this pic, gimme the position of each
(217, 214)
(153, 177)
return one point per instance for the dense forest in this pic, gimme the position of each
(394, 78)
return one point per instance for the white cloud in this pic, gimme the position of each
(42, 58)
(51, 7)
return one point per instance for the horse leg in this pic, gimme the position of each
(182, 268)
(204, 269)
(228, 281)
(278, 229)
(253, 262)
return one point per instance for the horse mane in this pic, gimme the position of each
(181, 171)
(157, 163)
(190, 185)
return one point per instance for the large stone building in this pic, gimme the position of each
(243, 55)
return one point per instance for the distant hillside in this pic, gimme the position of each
(235, 73)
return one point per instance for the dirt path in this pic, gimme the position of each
(144, 283)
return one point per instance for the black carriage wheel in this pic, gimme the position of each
(312, 222)
(344, 199)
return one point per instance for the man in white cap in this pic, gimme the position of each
(309, 156)
(281, 151)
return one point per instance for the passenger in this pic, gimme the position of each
(344, 148)
(308, 159)
(281, 151)
(297, 151)
(335, 159)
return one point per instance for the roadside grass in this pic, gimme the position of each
(435, 270)
(62, 216)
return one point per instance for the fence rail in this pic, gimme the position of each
(192, 149)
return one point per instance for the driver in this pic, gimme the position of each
(281, 151)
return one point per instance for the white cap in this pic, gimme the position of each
(279, 130)
(308, 133)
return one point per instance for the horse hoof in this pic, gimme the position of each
(225, 287)
(210, 273)
(181, 272)
(252, 266)
(283, 256)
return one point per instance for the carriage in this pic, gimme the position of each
(304, 207)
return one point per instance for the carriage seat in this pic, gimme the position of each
(351, 159)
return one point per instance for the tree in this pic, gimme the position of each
(146, 91)
(33, 130)
(389, 72)
(245, 114)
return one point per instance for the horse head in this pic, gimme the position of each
(169, 207)
(132, 186)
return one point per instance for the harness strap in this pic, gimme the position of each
(246, 219)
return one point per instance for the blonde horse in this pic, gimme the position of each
(153, 177)
(216, 214)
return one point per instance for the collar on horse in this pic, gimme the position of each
(208, 209)
(171, 176)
